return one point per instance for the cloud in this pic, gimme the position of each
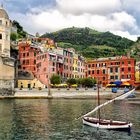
(107, 15)
(125, 34)
(88, 6)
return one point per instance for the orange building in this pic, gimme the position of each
(107, 70)
(27, 56)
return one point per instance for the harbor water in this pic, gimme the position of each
(42, 119)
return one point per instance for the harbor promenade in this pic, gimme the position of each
(80, 93)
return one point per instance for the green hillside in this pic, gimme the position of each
(91, 43)
(135, 50)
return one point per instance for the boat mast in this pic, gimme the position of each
(98, 101)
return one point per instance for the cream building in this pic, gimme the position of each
(7, 70)
(5, 28)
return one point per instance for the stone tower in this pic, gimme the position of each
(5, 28)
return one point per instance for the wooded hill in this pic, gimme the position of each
(91, 43)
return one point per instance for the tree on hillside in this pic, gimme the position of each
(13, 36)
(55, 79)
(20, 31)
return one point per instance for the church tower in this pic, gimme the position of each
(5, 28)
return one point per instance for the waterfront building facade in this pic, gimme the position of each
(5, 28)
(106, 70)
(44, 58)
(137, 73)
(7, 71)
(27, 56)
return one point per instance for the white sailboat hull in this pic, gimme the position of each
(106, 124)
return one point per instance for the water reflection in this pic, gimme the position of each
(55, 119)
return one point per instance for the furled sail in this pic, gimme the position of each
(120, 97)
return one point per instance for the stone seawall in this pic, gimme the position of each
(6, 87)
(64, 93)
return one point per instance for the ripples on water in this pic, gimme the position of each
(42, 119)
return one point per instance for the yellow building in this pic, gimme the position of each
(75, 66)
(27, 80)
(30, 83)
(137, 74)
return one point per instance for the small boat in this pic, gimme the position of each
(107, 124)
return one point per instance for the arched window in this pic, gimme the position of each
(0, 22)
(0, 36)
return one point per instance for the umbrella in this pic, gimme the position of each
(110, 85)
(125, 84)
(118, 83)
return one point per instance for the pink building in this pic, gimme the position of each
(81, 67)
(46, 66)
(68, 63)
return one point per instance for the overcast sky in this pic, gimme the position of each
(120, 17)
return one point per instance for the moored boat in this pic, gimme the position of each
(106, 124)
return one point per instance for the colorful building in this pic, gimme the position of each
(137, 74)
(46, 66)
(27, 56)
(107, 70)
(68, 63)
(27, 80)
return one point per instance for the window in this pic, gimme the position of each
(34, 53)
(53, 64)
(88, 72)
(103, 71)
(34, 61)
(23, 54)
(116, 69)
(0, 22)
(53, 69)
(27, 62)
(6, 23)
(98, 71)
(89, 65)
(122, 76)
(122, 62)
(92, 71)
(23, 62)
(116, 77)
(129, 62)
(111, 77)
(0, 36)
(122, 69)
(103, 78)
(111, 70)
(129, 76)
(27, 54)
(92, 65)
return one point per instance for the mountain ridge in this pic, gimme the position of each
(91, 43)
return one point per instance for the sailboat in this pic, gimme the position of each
(103, 123)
